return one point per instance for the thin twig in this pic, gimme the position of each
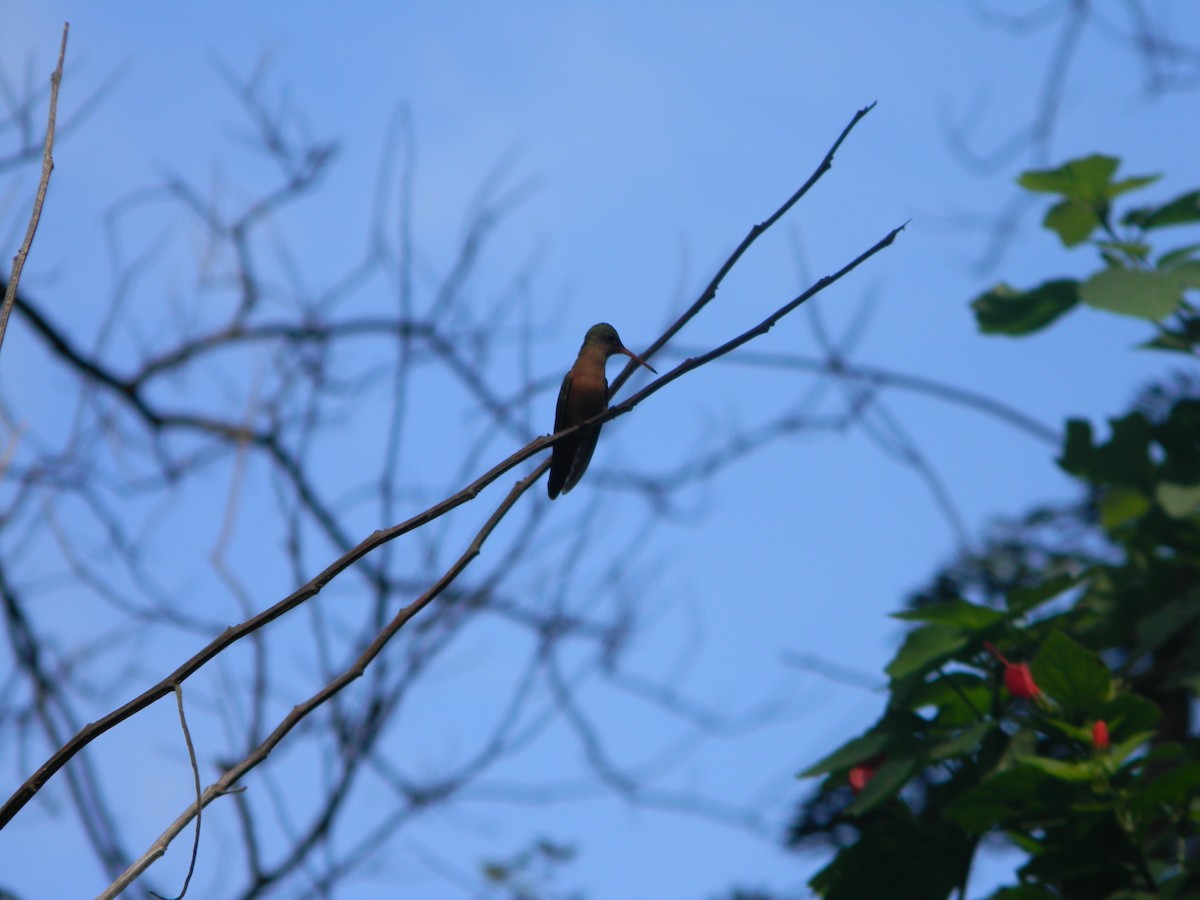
(10, 292)
(754, 234)
(876, 376)
(187, 737)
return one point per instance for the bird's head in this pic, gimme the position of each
(605, 337)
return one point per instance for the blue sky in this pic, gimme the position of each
(656, 136)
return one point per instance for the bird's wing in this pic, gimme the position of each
(560, 411)
(563, 453)
(581, 457)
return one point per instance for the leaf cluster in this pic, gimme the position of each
(1110, 637)
(1134, 280)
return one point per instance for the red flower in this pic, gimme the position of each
(1017, 677)
(1100, 734)
(1019, 681)
(863, 773)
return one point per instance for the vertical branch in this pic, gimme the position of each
(187, 737)
(10, 293)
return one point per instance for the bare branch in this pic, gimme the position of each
(187, 737)
(707, 295)
(10, 291)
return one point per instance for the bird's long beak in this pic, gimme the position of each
(637, 359)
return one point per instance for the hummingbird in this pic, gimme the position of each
(584, 394)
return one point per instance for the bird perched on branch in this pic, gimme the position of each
(584, 394)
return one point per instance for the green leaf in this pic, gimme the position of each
(1124, 459)
(1075, 772)
(1137, 251)
(959, 697)
(853, 752)
(1087, 188)
(1180, 211)
(1088, 179)
(884, 784)
(924, 648)
(1078, 447)
(960, 613)
(1164, 623)
(1175, 788)
(1027, 843)
(1008, 796)
(895, 856)
(1133, 292)
(1089, 849)
(1179, 254)
(1177, 437)
(1047, 723)
(1023, 599)
(1161, 754)
(1131, 184)
(1185, 273)
(1005, 310)
(1121, 750)
(1122, 505)
(1128, 714)
(1178, 500)
(962, 744)
(1074, 676)
(1073, 221)
(1174, 341)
